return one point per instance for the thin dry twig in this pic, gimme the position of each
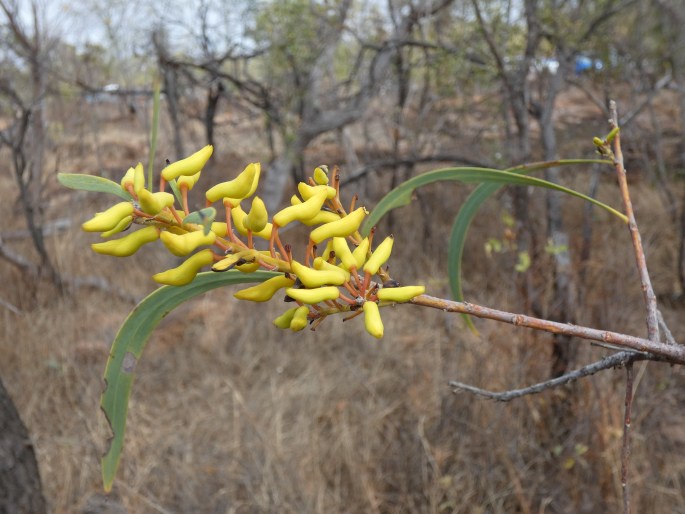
(612, 361)
(625, 449)
(645, 281)
(675, 354)
(664, 328)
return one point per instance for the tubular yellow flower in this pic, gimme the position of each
(323, 216)
(183, 244)
(360, 253)
(342, 252)
(230, 261)
(341, 228)
(303, 211)
(307, 191)
(299, 320)
(127, 245)
(188, 181)
(258, 217)
(248, 267)
(108, 219)
(264, 292)
(321, 264)
(283, 321)
(379, 256)
(321, 175)
(236, 189)
(139, 178)
(220, 228)
(255, 183)
(122, 225)
(127, 180)
(372, 319)
(317, 278)
(326, 255)
(185, 273)
(400, 294)
(238, 216)
(188, 166)
(312, 296)
(154, 203)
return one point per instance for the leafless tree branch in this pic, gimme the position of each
(612, 361)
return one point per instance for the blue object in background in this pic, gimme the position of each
(585, 63)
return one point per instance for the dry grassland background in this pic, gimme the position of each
(230, 414)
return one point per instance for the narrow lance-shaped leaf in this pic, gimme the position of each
(468, 211)
(130, 342)
(83, 182)
(402, 194)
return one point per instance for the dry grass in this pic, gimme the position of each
(231, 415)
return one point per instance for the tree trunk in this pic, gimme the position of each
(20, 487)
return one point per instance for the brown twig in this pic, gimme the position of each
(647, 290)
(674, 354)
(625, 450)
(612, 361)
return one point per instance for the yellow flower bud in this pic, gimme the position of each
(284, 320)
(340, 228)
(128, 179)
(153, 203)
(299, 320)
(321, 264)
(360, 253)
(230, 261)
(321, 175)
(236, 189)
(379, 256)
(108, 219)
(248, 267)
(316, 278)
(342, 252)
(186, 272)
(183, 244)
(258, 217)
(304, 211)
(139, 178)
(323, 216)
(312, 296)
(326, 255)
(264, 292)
(121, 226)
(127, 245)
(188, 166)
(372, 319)
(255, 183)
(188, 181)
(220, 228)
(238, 216)
(400, 294)
(307, 191)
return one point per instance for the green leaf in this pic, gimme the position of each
(402, 194)
(491, 181)
(177, 192)
(467, 212)
(84, 182)
(130, 342)
(204, 217)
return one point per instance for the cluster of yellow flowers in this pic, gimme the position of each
(339, 279)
